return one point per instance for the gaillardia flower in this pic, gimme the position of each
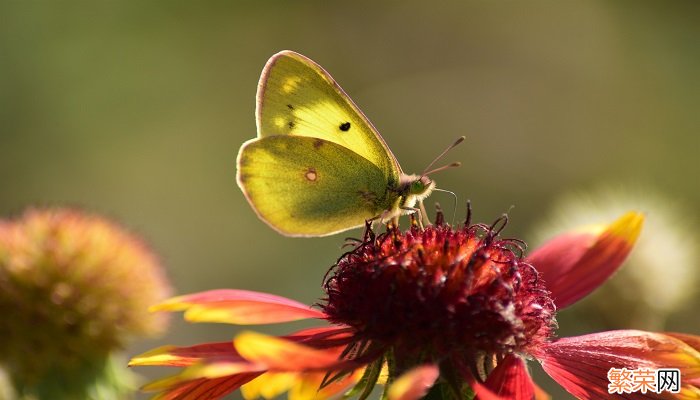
(442, 312)
(74, 288)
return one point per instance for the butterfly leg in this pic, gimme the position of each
(387, 217)
(370, 222)
(424, 213)
(414, 210)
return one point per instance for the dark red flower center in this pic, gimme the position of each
(440, 291)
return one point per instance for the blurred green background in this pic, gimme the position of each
(137, 109)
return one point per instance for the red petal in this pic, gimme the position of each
(206, 389)
(580, 364)
(574, 264)
(186, 356)
(510, 380)
(323, 337)
(691, 340)
(207, 380)
(414, 384)
(241, 307)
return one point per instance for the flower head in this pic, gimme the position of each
(457, 311)
(73, 288)
(439, 293)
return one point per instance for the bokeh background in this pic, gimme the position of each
(137, 109)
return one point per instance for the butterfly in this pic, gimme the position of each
(318, 166)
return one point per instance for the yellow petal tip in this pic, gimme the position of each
(628, 226)
(157, 356)
(172, 304)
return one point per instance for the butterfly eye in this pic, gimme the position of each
(417, 186)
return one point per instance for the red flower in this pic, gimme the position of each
(453, 311)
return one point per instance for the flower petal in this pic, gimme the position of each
(509, 380)
(574, 264)
(694, 342)
(414, 384)
(204, 389)
(280, 354)
(300, 385)
(540, 394)
(186, 356)
(241, 307)
(207, 381)
(269, 385)
(581, 364)
(320, 337)
(215, 369)
(691, 340)
(309, 386)
(323, 337)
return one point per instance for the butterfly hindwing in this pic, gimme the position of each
(305, 186)
(297, 97)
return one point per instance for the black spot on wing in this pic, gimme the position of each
(291, 124)
(289, 106)
(345, 126)
(318, 143)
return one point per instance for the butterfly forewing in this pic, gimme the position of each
(297, 97)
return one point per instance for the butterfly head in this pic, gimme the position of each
(415, 188)
(421, 187)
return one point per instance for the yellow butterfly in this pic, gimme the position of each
(318, 166)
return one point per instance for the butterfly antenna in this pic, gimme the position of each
(454, 209)
(444, 167)
(427, 171)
